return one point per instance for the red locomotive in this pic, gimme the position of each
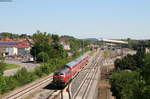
(64, 75)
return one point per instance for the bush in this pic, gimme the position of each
(7, 84)
(125, 84)
(38, 72)
(23, 77)
(43, 57)
(2, 67)
(128, 62)
(145, 71)
(2, 84)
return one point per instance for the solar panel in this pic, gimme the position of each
(8, 42)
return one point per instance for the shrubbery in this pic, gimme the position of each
(43, 57)
(125, 84)
(2, 67)
(131, 77)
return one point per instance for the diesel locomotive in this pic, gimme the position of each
(62, 76)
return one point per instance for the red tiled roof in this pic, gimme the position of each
(63, 40)
(22, 45)
(8, 45)
(18, 46)
(7, 39)
(21, 39)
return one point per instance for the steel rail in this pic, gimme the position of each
(87, 75)
(29, 88)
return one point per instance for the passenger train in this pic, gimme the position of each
(62, 76)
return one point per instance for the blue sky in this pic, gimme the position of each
(79, 18)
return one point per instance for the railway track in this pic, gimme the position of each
(28, 89)
(82, 90)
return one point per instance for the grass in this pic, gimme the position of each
(106, 53)
(11, 66)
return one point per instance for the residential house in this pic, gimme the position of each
(65, 43)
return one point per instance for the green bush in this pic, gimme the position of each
(38, 72)
(23, 77)
(42, 57)
(2, 84)
(2, 67)
(7, 84)
(125, 84)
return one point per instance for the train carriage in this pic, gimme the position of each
(62, 76)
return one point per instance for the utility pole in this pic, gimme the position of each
(35, 55)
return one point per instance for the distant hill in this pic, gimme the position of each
(92, 39)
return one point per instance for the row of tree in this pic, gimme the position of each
(131, 77)
(13, 36)
(47, 46)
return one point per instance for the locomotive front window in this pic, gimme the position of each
(61, 74)
(58, 74)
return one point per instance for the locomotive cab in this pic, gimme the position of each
(60, 77)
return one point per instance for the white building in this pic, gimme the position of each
(11, 48)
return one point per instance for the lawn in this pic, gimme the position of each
(11, 66)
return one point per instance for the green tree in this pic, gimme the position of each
(41, 37)
(55, 38)
(9, 35)
(43, 57)
(145, 71)
(41, 43)
(57, 51)
(132, 44)
(126, 85)
(40, 47)
(128, 62)
(23, 36)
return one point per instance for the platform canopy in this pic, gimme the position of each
(113, 41)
